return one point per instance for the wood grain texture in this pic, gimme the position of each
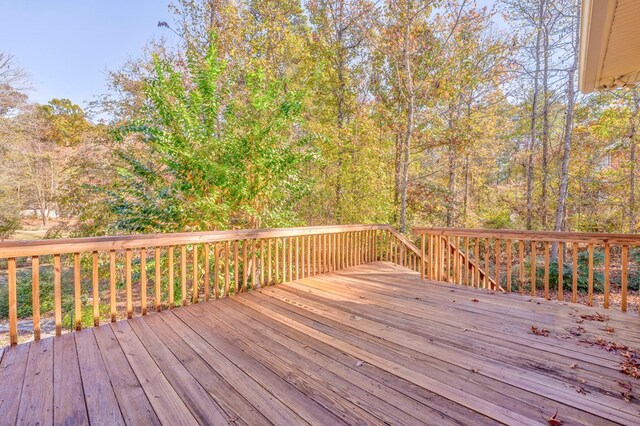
(373, 344)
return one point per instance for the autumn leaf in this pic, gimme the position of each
(574, 365)
(539, 331)
(596, 317)
(475, 300)
(359, 363)
(554, 421)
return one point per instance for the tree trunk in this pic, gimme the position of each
(632, 159)
(410, 95)
(568, 133)
(532, 130)
(545, 118)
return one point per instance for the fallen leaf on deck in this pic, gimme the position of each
(359, 363)
(608, 329)
(596, 317)
(580, 321)
(580, 390)
(475, 300)
(581, 380)
(554, 421)
(474, 370)
(539, 331)
(466, 329)
(574, 365)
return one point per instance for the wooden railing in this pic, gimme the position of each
(513, 257)
(110, 278)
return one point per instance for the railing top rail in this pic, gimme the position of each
(19, 248)
(577, 237)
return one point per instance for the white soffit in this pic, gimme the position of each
(609, 44)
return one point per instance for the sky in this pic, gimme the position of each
(67, 46)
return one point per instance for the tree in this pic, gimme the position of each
(184, 168)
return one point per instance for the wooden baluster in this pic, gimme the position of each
(112, 283)
(270, 262)
(521, 275)
(308, 256)
(263, 263)
(485, 281)
(13, 301)
(574, 292)
(432, 258)
(128, 289)
(324, 253)
(205, 255)
(253, 264)
(533, 269)
(625, 275)
(157, 282)
(183, 274)
(448, 270)
(245, 265)
(467, 278)
(297, 258)
(560, 271)
(227, 261)
(334, 252)
(276, 249)
(318, 254)
(290, 269)
(35, 295)
(590, 274)
(476, 258)
(509, 266)
(236, 267)
(458, 262)
(607, 266)
(284, 260)
(195, 276)
(546, 270)
(422, 250)
(170, 267)
(313, 256)
(143, 281)
(216, 270)
(497, 274)
(77, 301)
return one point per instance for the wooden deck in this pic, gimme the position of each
(372, 344)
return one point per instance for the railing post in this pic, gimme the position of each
(422, 263)
(13, 301)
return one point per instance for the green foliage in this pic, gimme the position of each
(583, 273)
(201, 165)
(9, 223)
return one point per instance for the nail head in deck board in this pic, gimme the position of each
(102, 405)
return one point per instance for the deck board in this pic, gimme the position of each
(372, 344)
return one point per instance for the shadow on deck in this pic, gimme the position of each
(371, 344)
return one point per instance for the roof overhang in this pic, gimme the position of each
(609, 44)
